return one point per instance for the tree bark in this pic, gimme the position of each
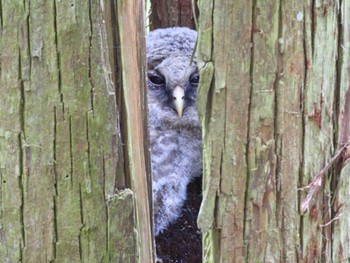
(274, 106)
(133, 57)
(172, 13)
(63, 169)
(274, 102)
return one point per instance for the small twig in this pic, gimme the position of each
(194, 14)
(194, 51)
(196, 25)
(317, 180)
(330, 221)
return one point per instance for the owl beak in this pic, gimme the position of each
(179, 100)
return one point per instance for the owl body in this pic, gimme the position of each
(175, 134)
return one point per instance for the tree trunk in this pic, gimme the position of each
(274, 106)
(63, 169)
(172, 13)
(274, 102)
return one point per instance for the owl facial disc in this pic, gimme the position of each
(179, 100)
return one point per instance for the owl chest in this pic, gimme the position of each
(166, 144)
(173, 151)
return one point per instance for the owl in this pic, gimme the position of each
(175, 133)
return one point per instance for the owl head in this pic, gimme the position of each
(172, 78)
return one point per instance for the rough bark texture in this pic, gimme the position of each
(61, 159)
(274, 101)
(133, 54)
(172, 13)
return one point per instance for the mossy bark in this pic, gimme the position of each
(274, 105)
(62, 165)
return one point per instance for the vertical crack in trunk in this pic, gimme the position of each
(278, 126)
(55, 184)
(307, 61)
(209, 100)
(106, 203)
(339, 65)
(120, 99)
(55, 239)
(251, 85)
(117, 80)
(59, 85)
(276, 109)
(313, 26)
(29, 46)
(89, 59)
(82, 223)
(336, 117)
(71, 151)
(58, 57)
(21, 187)
(22, 101)
(21, 137)
(88, 149)
(1, 16)
(180, 13)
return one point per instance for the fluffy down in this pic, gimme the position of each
(176, 146)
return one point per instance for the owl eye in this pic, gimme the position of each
(156, 79)
(194, 80)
